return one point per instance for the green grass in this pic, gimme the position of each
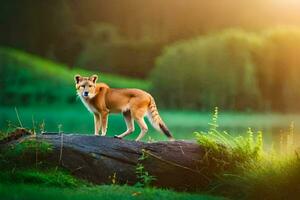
(183, 124)
(22, 163)
(39, 65)
(274, 177)
(48, 177)
(246, 170)
(28, 146)
(239, 149)
(253, 173)
(31, 80)
(32, 192)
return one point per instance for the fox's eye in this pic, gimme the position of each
(82, 86)
(90, 85)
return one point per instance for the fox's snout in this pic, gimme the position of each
(85, 94)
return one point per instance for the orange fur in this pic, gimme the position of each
(135, 104)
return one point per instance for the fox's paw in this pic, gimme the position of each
(118, 137)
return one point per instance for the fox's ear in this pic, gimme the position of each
(77, 78)
(94, 78)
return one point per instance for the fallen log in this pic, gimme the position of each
(181, 165)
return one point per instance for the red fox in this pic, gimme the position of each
(135, 104)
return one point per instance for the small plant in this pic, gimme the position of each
(145, 179)
(33, 125)
(42, 126)
(18, 117)
(113, 179)
(144, 155)
(150, 140)
(214, 121)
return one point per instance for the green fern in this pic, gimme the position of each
(240, 149)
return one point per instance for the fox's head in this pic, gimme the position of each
(86, 86)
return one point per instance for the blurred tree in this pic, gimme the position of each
(279, 69)
(215, 70)
(106, 50)
(42, 27)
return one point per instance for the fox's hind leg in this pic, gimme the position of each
(129, 123)
(144, 128)
(138, 115)
(139, 110)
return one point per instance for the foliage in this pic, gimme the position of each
(27, 153)
(240, 150)
(27, 146)
(22, 162)
(254, 172)
(145, 179)
(104, 192)
(30, 80)
(272, 178)
(104, 49)
(232, 69)
(50, 177)
(213, 70)
(277, 68)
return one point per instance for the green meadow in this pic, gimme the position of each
(274, 174)
(33, 192)
(44, 100)
(183, 124)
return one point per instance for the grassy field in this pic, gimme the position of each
(32, 192)
(183, 124)
(254, 173)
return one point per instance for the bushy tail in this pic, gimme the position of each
(156, 120)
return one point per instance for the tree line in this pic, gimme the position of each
(232, 69)
(125, 37)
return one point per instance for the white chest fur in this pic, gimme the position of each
(90, 107)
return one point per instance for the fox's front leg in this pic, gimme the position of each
(97, 123)
(104, 116)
